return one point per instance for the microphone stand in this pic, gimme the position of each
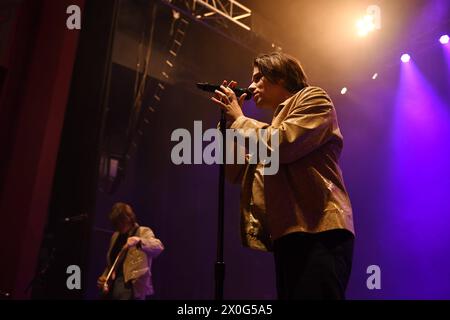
(220, 264)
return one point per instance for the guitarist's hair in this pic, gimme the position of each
(122, 211)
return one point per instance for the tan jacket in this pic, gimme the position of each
(138, 262)
(308, 192)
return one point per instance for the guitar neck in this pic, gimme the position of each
(116, 261)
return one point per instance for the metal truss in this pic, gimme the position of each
(226, 17)
(222, 9)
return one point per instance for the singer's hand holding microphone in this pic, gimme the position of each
(227, 100)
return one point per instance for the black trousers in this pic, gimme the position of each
(313, 266)
(121, 290)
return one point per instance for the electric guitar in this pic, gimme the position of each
(105, 289)
(111, 274)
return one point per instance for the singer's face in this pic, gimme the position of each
(266, 94)
(123, 225)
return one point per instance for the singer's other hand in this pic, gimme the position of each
(132, 241)
(227, 100)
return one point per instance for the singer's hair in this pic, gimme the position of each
(283, 69)
(122, 212)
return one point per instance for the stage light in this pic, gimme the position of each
(344, 90)
(375, 75)
(405, 58)
(365, 25)
(444, 39)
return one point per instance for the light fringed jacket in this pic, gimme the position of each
(308, 192)
(138, 262)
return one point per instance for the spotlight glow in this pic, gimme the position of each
(405, 58)
(375, 75)
(344, 90)
(365, 25)
(444, 39)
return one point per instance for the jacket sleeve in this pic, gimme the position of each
(149, 243)
(309, 125)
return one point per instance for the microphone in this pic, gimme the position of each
(213, 87)
(78, 218)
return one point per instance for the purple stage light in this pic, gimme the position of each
(405, 58)
(444, 39)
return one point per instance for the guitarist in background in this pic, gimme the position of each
(130, 255)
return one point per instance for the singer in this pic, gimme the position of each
(302, 213)
(129, 259)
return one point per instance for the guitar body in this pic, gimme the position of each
(106, 293)
(107, 286)
(106, 289)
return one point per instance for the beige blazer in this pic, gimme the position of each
(138, 262)
(308, 192)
